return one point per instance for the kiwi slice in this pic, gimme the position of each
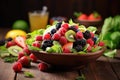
(14, 50)
(70, 34)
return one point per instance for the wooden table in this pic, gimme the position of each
(102, 69)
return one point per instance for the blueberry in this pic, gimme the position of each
(53, 31)
(46, 43)
(58, 25)
(73, 28)
(95, 39)
(87, 34)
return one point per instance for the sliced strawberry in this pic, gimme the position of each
(20, 41)
(67, 47)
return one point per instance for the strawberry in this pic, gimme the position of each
(42, 66)
(25, 61)
(94, 16)
(82, 17)
(20, 41)
(21, 54)
(33, 57)
(10, 43)
(17, 67)
(26, 50)
(67, 47)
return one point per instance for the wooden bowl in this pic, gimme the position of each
(88, 23)
(69, 59)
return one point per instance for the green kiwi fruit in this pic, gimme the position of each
(70, 35)
(14, 50)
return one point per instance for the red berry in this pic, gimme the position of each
(47, 36)
(65, 25)
(17, 67)
(79, 35)
(92, 34)
(101, 44)
(42, 66)
(38, 38)
(21, 54)
(36, 44)
(62, 31)
(25, 61)
(56, 36)
(89, 48)
(90, 41)
(10, 43)
(33, 57)
(63, 40)
(26, 50)
(67, 47)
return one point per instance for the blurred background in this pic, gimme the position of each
(11, 10)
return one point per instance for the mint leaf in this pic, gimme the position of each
(82, 77)
(28, 74)
(110, 53)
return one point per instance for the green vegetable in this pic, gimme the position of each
(82, 77)
(10, 59)
(111, 32)
(110, 53)
(28, 74)
(92, 29)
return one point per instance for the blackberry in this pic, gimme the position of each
(78, 48)
(53, 31)
(81, 42)
(2, 42)
(46, 43)
(73, 28)
(58, 25)
(87, 34)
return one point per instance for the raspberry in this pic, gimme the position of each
(42, 66)
(79, 35)
(17, 67)
(56, 36)
(90, 41)
(62, 31)
(87, 34)
(63, 40)
(47, 36)
(101, 44)
(65, 25)
(36, 44)
(39, 38)
(92, 34)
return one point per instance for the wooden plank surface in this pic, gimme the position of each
(55, 75)
(6, 72)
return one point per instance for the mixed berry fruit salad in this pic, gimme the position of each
(65, 38)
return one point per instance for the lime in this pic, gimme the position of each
(20, 24)
(14, 33)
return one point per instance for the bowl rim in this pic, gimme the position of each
(71, 54)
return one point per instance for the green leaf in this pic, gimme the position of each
(110, 53)
(92, 29)
(10, 59)
(82, 77)
(28, 74)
